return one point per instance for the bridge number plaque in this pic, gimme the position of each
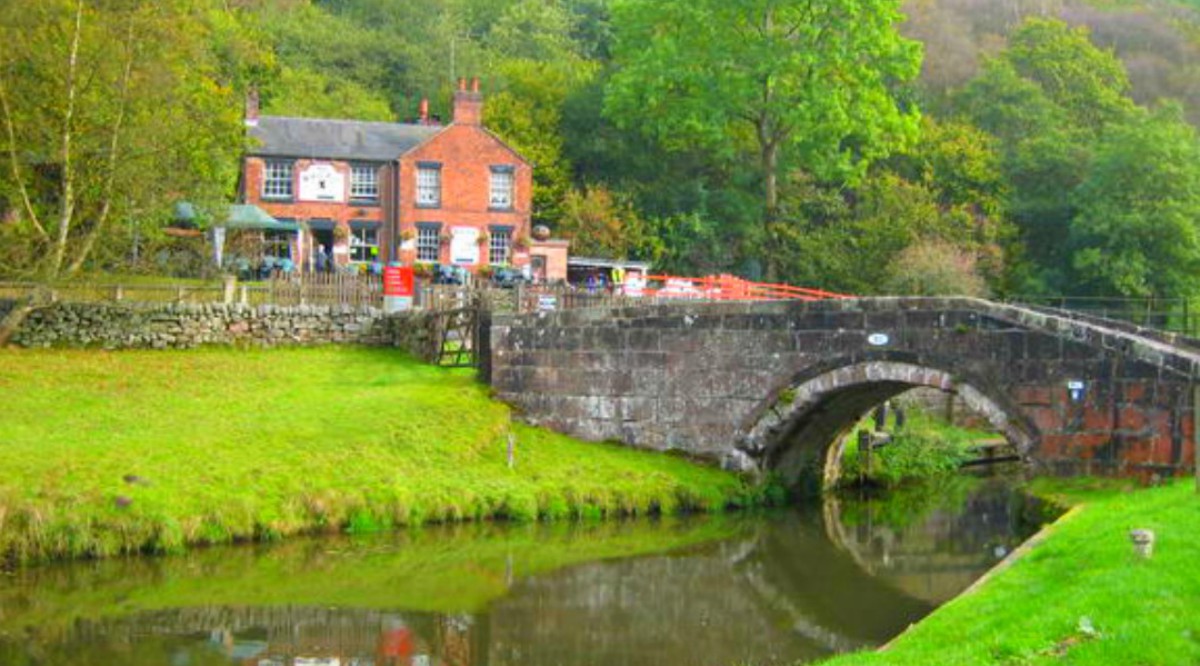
(1075, 389)
(878, 339)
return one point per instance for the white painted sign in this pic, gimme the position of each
(464, 246)
(878, 339)
(322, 182)
(547, 303)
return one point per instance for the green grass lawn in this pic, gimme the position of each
(104, 453)
(1081, 596)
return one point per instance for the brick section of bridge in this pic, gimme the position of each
(721, 380)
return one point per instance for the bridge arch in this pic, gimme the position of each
(797, 432)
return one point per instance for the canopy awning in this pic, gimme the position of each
(237, 216)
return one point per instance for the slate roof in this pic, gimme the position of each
(276, 136)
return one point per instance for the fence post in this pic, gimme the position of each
(118, 293)
(230, 284)
(245, 297)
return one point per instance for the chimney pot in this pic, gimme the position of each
(424, 111)
(462, 84)
(252, 114)
(475, 84)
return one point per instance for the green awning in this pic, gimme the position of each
(245, 216)
(237, 216)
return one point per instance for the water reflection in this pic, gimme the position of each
(774, 589)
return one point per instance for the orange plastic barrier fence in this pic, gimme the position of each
(724, 288)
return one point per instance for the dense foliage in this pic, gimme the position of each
(868, 146)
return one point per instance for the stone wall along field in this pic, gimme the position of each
(185, 326)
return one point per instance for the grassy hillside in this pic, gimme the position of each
(1081, 596)
(105, 453)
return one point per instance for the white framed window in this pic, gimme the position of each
(429, 186)
(277, 180)
(501, 190)
(499, 246)
(364, 243)
(428, 242)
(364, 182)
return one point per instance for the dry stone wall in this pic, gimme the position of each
(185, 326)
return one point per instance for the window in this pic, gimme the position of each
(428, 243)
(364, 183)
(429, 185)
(499, 244)
(501, 188)
(364, 242)
(278, 243)
(277, 180)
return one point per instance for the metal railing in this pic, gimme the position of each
(1168, 315)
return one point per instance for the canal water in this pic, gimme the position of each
(770, 588)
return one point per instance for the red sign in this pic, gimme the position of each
(398, 281)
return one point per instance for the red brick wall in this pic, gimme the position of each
(302, 211)
(467, 153)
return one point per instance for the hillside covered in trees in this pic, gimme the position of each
(869, 146)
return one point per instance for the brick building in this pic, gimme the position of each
(409, 192)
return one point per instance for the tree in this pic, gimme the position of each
(804, 83)
(934, 268)
(107, 110)
(600, 225)
(527, 113)
(1090, 84)
(1138, 228)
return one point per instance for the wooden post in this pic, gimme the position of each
(230, 287)
(1196, 433)
(864, 450)
(118, 293)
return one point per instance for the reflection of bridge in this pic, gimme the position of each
(778, 381)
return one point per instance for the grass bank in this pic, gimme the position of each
(926, 448)
(107, 453)
(1080, 596)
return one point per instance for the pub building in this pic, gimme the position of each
(421, 192)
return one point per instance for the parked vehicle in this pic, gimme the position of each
(507, 278)
(443, 274)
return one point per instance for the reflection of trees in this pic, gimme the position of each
(962, 529)
(791, 586)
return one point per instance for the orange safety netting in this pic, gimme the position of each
(723, 288)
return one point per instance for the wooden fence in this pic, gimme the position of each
(331, 289)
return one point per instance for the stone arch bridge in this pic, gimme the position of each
(773, 384)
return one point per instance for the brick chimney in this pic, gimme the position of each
(423, 111)
(252, 107)
(468, 104)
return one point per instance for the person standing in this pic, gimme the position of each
(322, 259)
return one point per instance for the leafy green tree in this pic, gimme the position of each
(599, 224)
(1138, 228)
(801, 82)
(107, 111)
(527, 113)
(1088, 83)
(1049, 97)
(307, 93)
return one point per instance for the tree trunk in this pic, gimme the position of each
(769, 155)
(11, 323)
